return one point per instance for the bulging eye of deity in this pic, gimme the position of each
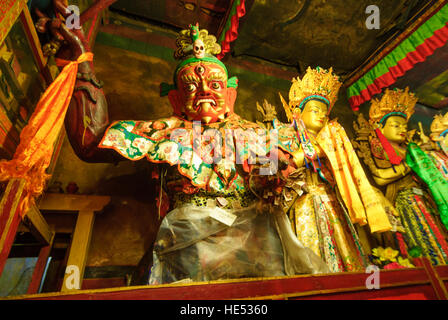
(199, 49)
(395, 129)
(215, 85)
(314, 116)
(191, 87)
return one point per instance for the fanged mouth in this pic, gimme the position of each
(205, 100)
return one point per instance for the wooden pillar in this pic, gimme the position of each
(9, 218)
(78, 251)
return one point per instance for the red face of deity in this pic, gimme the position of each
(202, 93)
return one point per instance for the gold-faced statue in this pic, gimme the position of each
(439, 133)
(312, 98)
(315, 115)
(388, 135)
(395, 129)
(310, 102)
(317, 146)
(384, 143)
(391, 114)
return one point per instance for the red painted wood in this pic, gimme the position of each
(442, 271)
(39, 269)
(421, 292)
(4, 215)
(11, 234)
(89, 284)
(438, 287)
(12, 228)
(273, 288)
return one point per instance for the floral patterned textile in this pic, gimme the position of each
(206, 154)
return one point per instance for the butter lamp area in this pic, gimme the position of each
(209, 150)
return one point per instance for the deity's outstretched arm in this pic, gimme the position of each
(87, 116)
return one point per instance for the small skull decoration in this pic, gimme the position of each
(199, 49)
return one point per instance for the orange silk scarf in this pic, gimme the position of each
(38, 137)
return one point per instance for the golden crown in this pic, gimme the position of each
(438, 126)
(186, 39)
(316, 83)
(393, 102)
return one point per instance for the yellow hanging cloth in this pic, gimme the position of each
(361, 200)
(37, 139)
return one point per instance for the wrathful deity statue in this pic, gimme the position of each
(214, 225)
(401, 167)
(327, 193)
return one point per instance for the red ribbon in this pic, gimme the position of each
(393, 157)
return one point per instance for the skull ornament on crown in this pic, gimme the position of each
(202, 90)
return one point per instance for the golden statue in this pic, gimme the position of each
(439, 145)
(384, 143)
(330, 192)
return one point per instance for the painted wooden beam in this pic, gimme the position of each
(38, 226)
(72, 202)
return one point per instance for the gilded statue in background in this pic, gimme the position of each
(439, 145)
(329, 190)
(386, 146)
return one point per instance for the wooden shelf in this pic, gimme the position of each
(403, 284)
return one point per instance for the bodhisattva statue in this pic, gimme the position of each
(328, 191)
(439, 145)
(430, 163)
(213, 227)
(389, 153)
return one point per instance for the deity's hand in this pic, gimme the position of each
(65, 43)
(425, 142)
(299, 158)
(45, 24)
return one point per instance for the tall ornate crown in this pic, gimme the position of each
(394, 102)
(439, 127)
(186, 39)
(318, 84)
